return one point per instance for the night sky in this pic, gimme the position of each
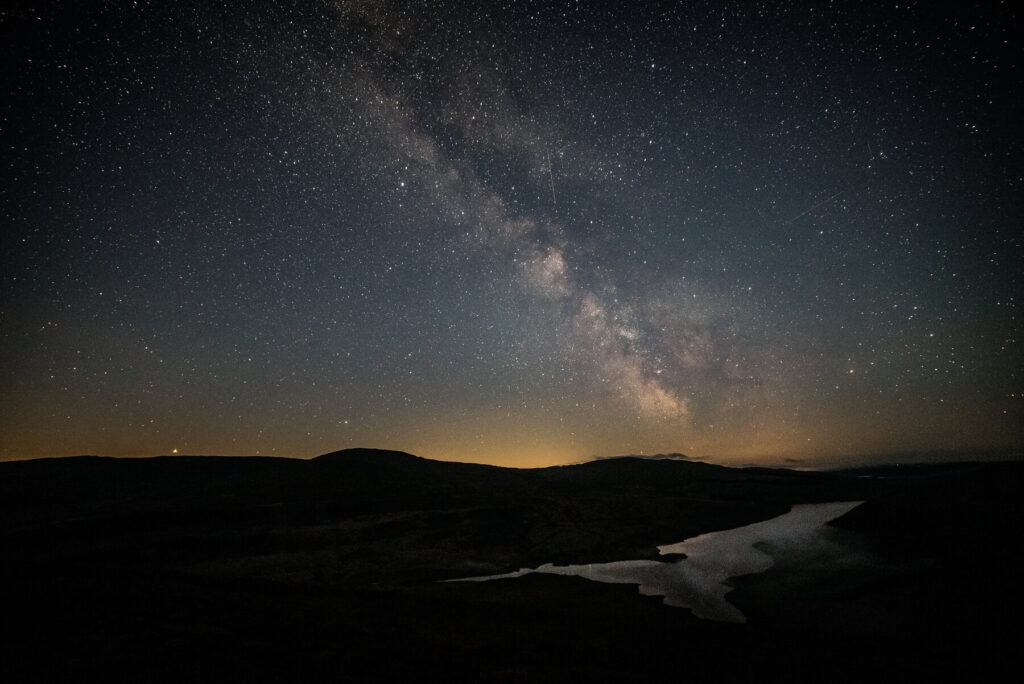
(521, 233)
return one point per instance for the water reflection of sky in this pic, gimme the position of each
(697, 582)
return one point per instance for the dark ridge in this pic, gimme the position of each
(400, 467)
(910, 461)
(361, 455)
(631, 468)
(633, 462)
(914, 470)
(960, 512)
(82, 458)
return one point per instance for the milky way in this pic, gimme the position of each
(523, 234)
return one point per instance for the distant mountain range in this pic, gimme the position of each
(651, 457)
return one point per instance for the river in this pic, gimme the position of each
(698, 581)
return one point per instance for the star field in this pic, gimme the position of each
(524, 234)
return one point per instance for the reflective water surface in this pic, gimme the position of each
(697, 582)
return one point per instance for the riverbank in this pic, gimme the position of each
(693, 574)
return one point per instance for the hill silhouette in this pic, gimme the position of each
(368, 456)
(486, 517)
(273, 568)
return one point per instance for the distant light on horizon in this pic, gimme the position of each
(511, 237)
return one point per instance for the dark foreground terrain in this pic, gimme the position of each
(280, 569)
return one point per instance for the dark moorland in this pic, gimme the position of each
(185, 568)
